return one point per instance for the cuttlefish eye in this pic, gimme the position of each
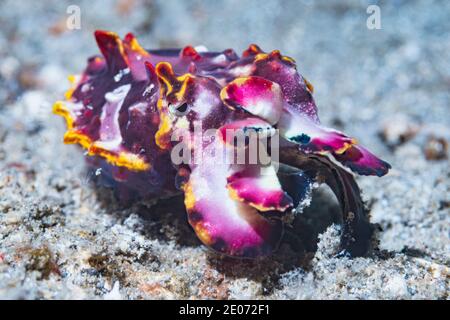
(179, 109)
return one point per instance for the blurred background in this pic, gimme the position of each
(386, 84)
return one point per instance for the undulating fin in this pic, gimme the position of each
(126, 105)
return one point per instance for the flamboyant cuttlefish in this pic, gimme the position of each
(128, 104)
